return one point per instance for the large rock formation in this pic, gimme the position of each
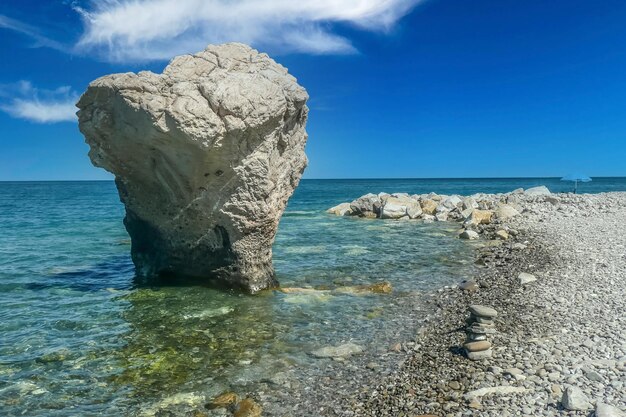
(205, 157)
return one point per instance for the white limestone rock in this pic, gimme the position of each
(575, 400)
(452, 202)
(396, 207)
(414, 210)
(441, 216)
(342, 209)
(505, 212)
(427, 218)
(541, 190)
(526, 278)
(469, 234)
(479, 217)
(606, 410)
(338, 352)
(465, 214)
(205, 157)
(469, 203)
(502, 234)
(368, 205)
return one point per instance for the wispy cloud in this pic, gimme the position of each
(32, 33)
(140, 30)
(24, 101)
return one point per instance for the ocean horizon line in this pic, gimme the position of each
(351, 179)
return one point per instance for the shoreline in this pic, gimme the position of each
(530, 349)
(565, 329)
(438, 374)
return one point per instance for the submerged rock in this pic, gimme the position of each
(338, 352)
(224, 400)
(205, 157)
(382, 287)
(170, 404)
(302, 290)
(248, 408)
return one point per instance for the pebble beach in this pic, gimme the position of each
(558, 283)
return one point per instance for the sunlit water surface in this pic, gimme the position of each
(78, 335)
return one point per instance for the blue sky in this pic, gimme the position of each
(399, 88)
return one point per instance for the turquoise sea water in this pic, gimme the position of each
(78, 335)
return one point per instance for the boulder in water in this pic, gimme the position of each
(368, 205)
(342, 209)
(205, 157)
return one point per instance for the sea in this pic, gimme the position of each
(80, 336)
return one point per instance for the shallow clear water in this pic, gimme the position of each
(80, 337)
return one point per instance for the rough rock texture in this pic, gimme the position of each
(205, 157)
(398, 207)
(368, 205)
(574, 399)
(605, 410)
(342, 209)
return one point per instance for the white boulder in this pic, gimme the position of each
(479, 217)
(505, 212)
(605, 410)
(469, 234)
(205, 157)
(342, 209)
(469, 203)
(338, 352)
(574, 399)
(367, 205)
(541, 190)
(526, 278)
(398, 207)
(452, 202)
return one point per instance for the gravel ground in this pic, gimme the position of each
(567, 329)
(561, 340)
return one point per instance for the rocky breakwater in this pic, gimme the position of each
(205, 157)
(478, 214)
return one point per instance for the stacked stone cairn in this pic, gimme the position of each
(479, 326)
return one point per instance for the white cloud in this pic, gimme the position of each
(31, 32)
(24, 101)
(140, 30)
